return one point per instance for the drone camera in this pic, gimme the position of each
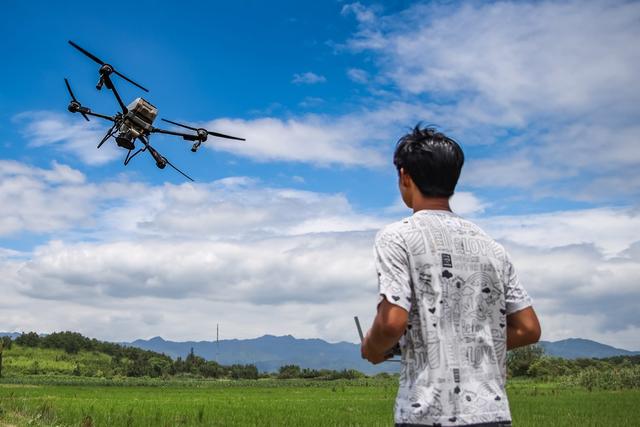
(125, 139)
(195, 146)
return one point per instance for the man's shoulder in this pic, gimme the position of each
(396, 228)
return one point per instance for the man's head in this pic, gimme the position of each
(428, 161)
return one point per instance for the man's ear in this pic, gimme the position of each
(405, 178)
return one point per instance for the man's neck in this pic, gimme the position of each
(431, 203)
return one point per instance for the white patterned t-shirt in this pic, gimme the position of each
(458, 286)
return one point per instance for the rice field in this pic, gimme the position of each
(283, 403)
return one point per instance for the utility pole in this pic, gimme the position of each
(1, 351)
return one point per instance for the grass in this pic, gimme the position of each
(284, 403)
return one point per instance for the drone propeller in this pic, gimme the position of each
(99, 61)
(74, 101)
(221, 135)
(162, 161)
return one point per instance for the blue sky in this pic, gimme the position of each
(542, 96)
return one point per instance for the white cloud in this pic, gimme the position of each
(534, 58)
(362, 13)
(71, 135)
(314, 139)
(308, 78)
(173, 260)
(358, 75)
(465, 203)
(553, 82)
(42, 200)
(609, 229)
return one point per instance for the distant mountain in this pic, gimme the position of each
(574, 348)
(13, 335)
(270, 352)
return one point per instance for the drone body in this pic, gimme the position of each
(138, 120)
(135, 121)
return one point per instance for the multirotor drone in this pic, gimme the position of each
(136, 119)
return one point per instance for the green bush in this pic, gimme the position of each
(609, 379)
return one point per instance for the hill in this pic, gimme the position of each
(269, 352)
(574, 348)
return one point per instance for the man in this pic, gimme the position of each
(448, 295)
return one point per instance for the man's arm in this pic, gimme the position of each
(523, 328)
(388, 327)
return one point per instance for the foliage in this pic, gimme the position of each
(520, 359)
(611, 379)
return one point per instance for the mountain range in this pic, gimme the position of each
(269, 352)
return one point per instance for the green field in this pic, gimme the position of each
(278, 402)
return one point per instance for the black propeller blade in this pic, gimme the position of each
(73, 97)
(99, 61)
(130, 81)
(182, 173)
(89, 54)
(221, 135)
(162, 161)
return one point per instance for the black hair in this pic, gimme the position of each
(432, 160)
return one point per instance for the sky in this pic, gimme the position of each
(275, 235)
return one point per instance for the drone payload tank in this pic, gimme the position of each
(138, 120)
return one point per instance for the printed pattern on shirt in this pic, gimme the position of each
(458, 285)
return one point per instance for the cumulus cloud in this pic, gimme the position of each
(308, 78)
(188, 256)
(314, 139)
(71, 135)
(307, 269)
(523, 74)
(534, 58)
(606, 228)
(42, 200)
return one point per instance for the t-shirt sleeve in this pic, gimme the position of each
(516, 297)
(392, 266)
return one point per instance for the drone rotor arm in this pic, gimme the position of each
(185, 136)
(220, 135)
(102, 116)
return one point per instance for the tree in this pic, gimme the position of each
(30, 339)
(289, 371)
(520, 359)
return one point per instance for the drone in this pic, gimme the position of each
(135, 121)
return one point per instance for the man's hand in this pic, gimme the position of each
(388, 327)
(370, 355)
